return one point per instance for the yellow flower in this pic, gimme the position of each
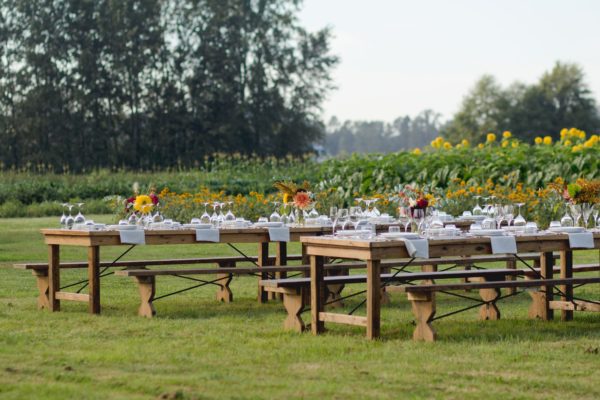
(491, 137)
(505, 143)
(581, 135)
(548, 140)
(480, 145)
(417, 151)
(538, 140)
(447, 145)
(515, 144)
(563, 133)
(464, 142)
(506, 134)
(143, 203)
(567, 143)
(576, 148)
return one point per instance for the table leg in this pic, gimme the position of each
(53, 276)
(566, 271)
(263, 261)
(540, 307)
(94, 279)
(373, 298)
(280, 260)
(317, 293)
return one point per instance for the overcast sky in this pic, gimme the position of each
(399, 57)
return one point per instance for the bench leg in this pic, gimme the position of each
(43, 300)
(147, 287)
(511, 264)
(540, 305)
(489, 311)
(224, 293)
(294, 305)
(423, 308)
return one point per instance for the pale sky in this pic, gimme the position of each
(399, 57)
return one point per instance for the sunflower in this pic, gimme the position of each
(143, 203)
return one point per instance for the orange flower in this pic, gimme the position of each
(302, 200)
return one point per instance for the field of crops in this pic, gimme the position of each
(506, 164)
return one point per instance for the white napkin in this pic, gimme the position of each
(417, 247)
(135, 236)
(584, 240)
(207, 235)
(279, 234)
(504, 244)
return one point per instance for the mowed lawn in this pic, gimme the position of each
(197, 348)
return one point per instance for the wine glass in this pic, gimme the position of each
(229, 217)
(354, 215)
(477, 210)
(499, 215)
(275, 216)
(595, 215)
(214, 218)
(342, 217)
(418, 215)
(566, 220)
(576, 213)
(205, 217)
(70, 220)
(586, 211)
(375, 212)
(63, 218)
(520, 220)
(79, 218)
(509, 213)
(404, 217)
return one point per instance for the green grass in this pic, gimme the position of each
(198, 348)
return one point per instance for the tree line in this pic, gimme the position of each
(150, 83)
(560, 99)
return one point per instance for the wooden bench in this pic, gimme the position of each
(146, 278)
(422, 297)
(296, 290)
(40, 269)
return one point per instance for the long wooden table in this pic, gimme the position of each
(373, 251)
(95, 240)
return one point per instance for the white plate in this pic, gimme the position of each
(268, 224)
(121, 227)
(198, 226)
(567, 229)
(351, 232)
(487, 232)
(472, 217)
(399, 235)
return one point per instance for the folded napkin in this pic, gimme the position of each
(504, 245)
(207, 235)
(136, 236)
(583, 240)
(279, 234)
(417, 247)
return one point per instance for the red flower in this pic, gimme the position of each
(154, 198)
(422, 203)
(302, 200)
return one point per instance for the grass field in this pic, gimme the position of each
(197, 348)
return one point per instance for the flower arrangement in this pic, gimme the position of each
(300, 196)
(582, 191)
(141, 203)
(415, 197)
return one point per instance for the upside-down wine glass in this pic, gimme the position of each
(63, 218)
(477, 210)
(520, 220)
(205, 217)
(79, 218)
(566, 220)
(229, 217)
(275, 217)
(70, 220)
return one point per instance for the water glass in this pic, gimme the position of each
(394, 229)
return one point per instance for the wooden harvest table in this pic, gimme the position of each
(372, 252)
(94, 240)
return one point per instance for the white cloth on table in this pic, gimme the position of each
(583, 240)
(279, 234)
(504, 245)
(207, 235)
(417, 247)
(135, 236)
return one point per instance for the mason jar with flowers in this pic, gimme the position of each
(140, 206)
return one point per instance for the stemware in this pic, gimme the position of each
(229, 217)
(586, 212)
(519, 220)
(418, 215)
(63, 218)
(404, 217)
(576, 213)
(79, 218)
(477, 210)
(375, 212)
(566, 220)
(342, 218)
(205, 217)
(509, 213)
(275, 216)
(70, 220)
(595, 215)
(498, 215)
